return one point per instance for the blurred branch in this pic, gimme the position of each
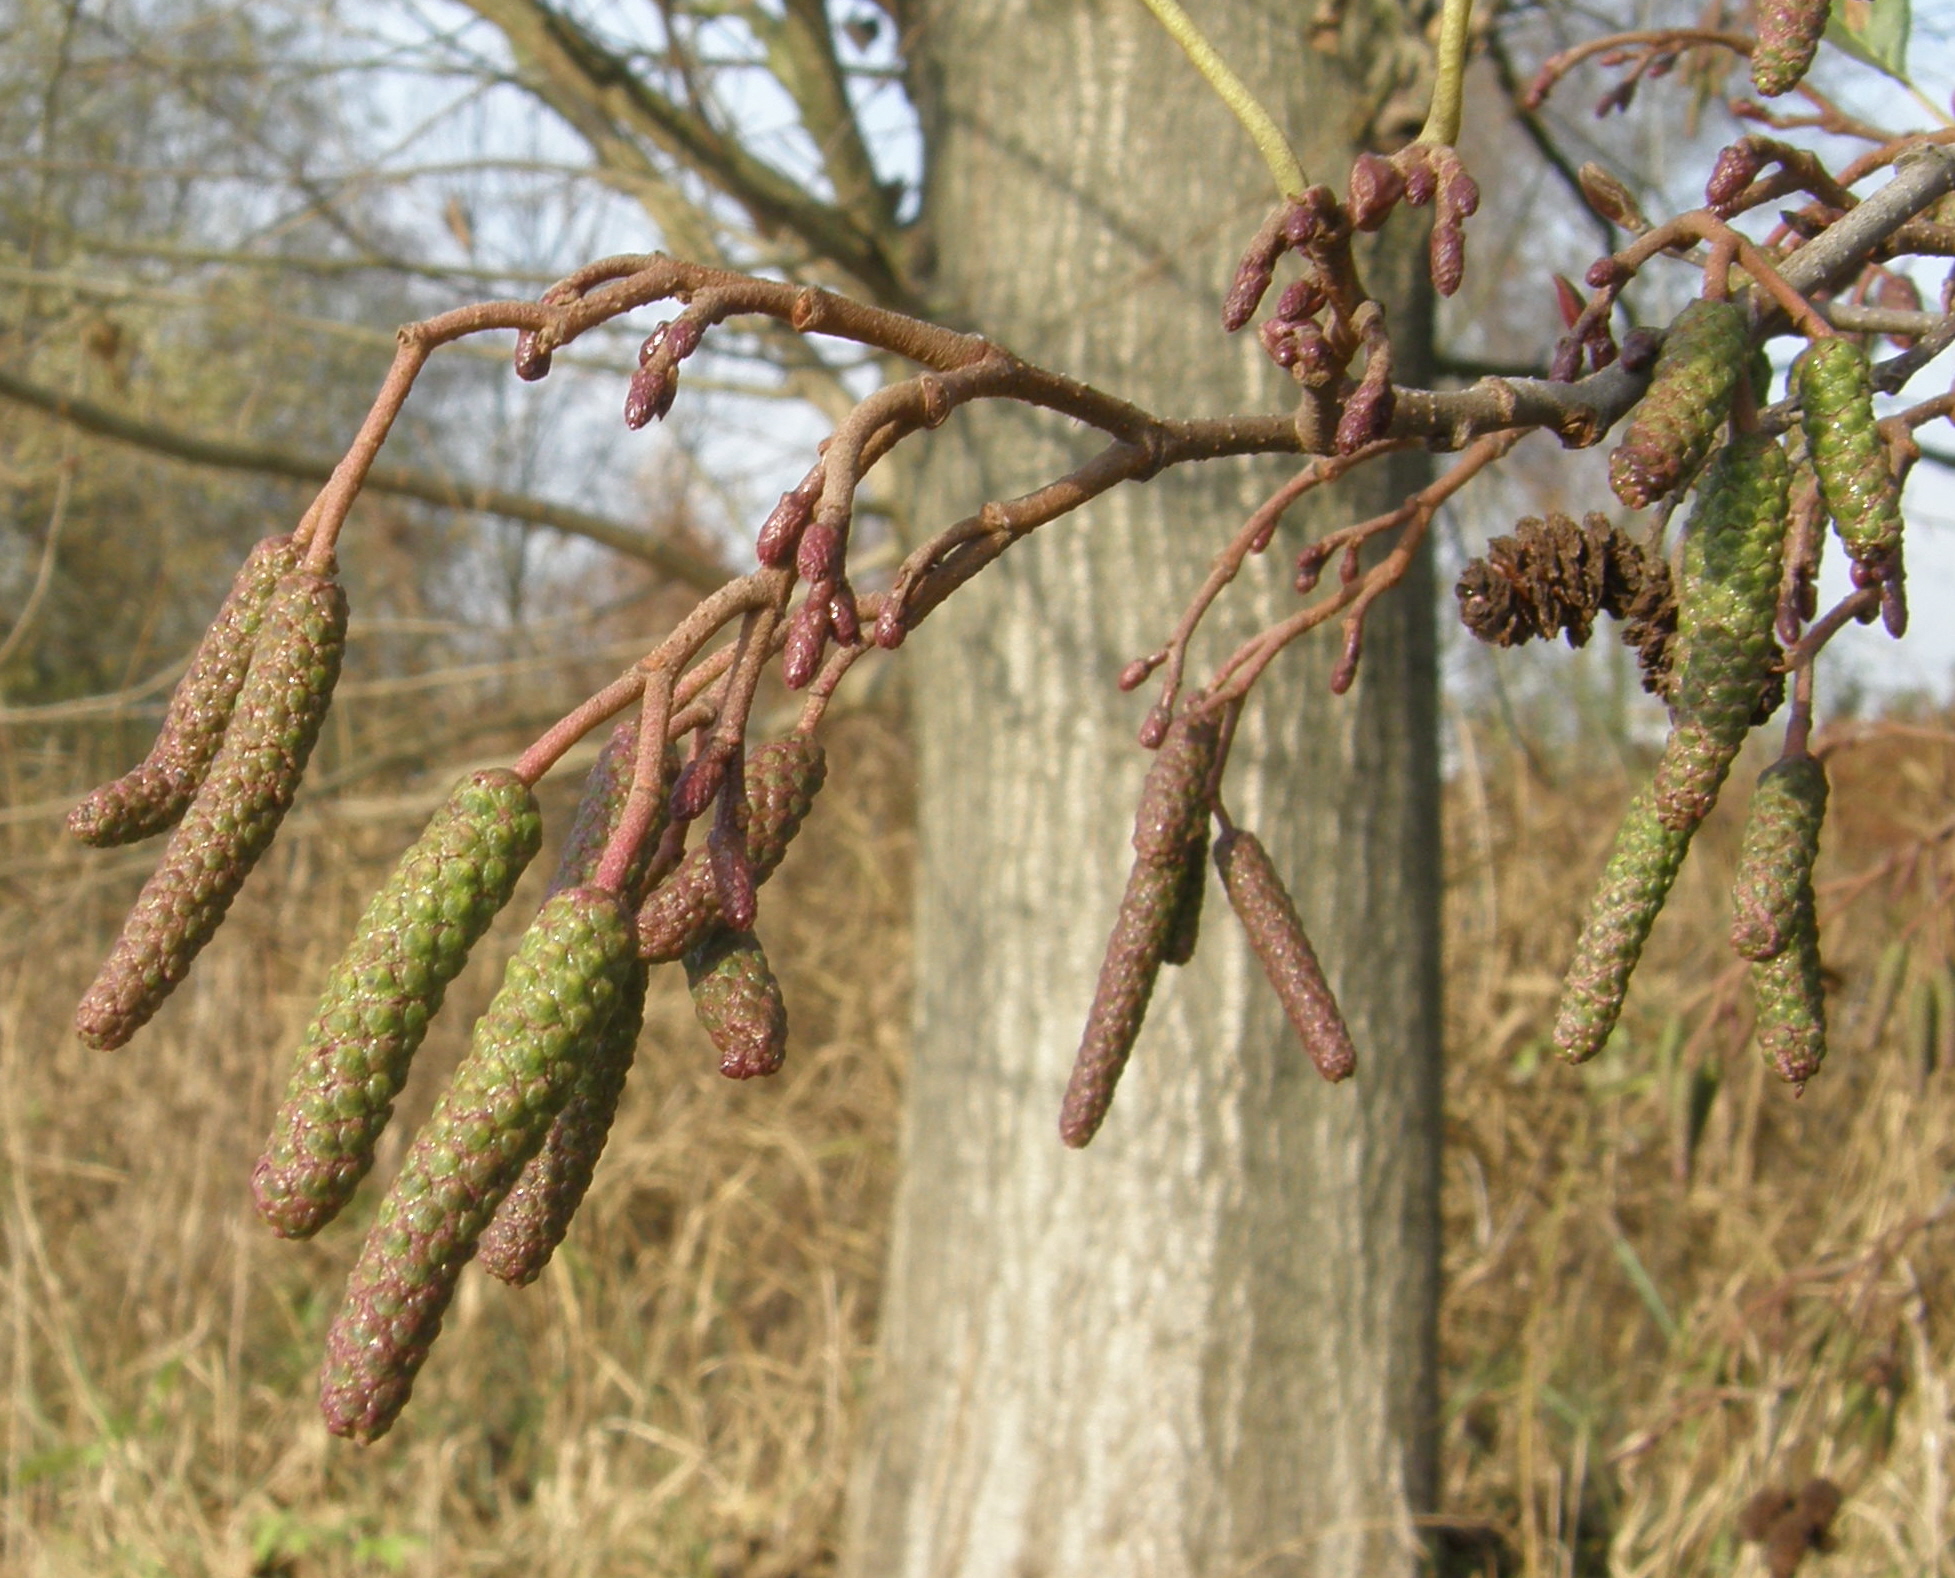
(1513, 92)
(801, 56)
(610, 105)
(275, 460)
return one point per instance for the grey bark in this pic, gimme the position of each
(1203, 1346)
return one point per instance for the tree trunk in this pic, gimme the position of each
(1204, 1345)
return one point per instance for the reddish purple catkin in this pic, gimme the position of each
(1173, 800)
(1269, 918)
(738, 1000)
(783, 778)
(153, 795)
(230, 823)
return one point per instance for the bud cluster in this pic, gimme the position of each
(1727, 601)
(1324, 318)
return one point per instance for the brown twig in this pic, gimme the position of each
(1245, 665)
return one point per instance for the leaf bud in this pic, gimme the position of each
(1302, 298)
(1376, 188)
(1610, 198)
(823, 546)
(532, 359)
(807, 639)
(699, 781)
(650, 394)
(780, 533)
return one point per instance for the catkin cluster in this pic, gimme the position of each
(1727, 601)
(1159, 923)
(508, 1154)
(291, 657)
(503, 1164)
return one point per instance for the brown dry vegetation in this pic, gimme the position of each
(1669, 1283)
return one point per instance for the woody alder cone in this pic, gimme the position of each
(1552, 577)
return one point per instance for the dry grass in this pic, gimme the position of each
(672, 1395)
(1669, 1283)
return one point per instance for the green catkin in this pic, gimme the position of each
(1173, 801)
(535, 1215)
(1836, 404)
(1681, 417)
(1727, 600)
(1771, 898)
(1791, 1005)
(1269, 919)
(738, 1000)
(153, 795)
(412, 941)
(574, 964)
(1788, 37)
(1642, 866)
(231, 821)
(783, 778)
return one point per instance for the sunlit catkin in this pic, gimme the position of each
(231, 821)
(1276, 934)
(1772, 893)
(738, 1000)
(1689, 399)
(566, 978)
(1836, 399)
(154, 794)
(412, 941)
(1173, 800)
